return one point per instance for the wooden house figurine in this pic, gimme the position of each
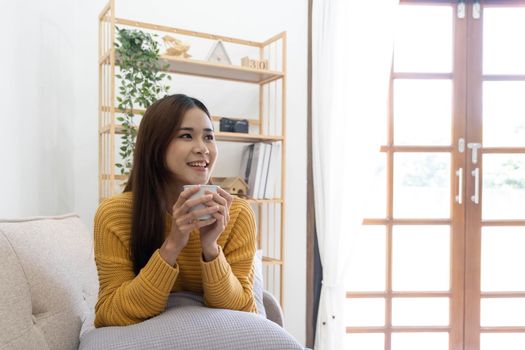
(233, 185)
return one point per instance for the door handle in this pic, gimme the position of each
(474, 147)
(459, 196)
(476, 10)
(475, 197)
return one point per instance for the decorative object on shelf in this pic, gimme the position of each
(255, 64)
(260, 168)
(218, 54)
(233, 185)
(175, 47)
(234, 125)
(141, 84)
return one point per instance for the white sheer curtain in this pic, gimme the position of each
(352, 51)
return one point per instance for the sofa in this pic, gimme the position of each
(49, 286)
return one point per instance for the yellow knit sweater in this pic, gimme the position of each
(125, 298)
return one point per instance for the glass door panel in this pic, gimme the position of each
(504, 113)
(365, 312)
(496, 226)
(420, 312)
(429, 47)
(503, 44)
(419, 341)
(422, 112)
(365, 341)
(499, 341)
(503, 186)
(502, 259)
(503, 312)
(368, 249)
(375, 206)
(422, 185)
(421, 258)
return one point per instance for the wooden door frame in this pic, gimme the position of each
(458, 132)
(311, 307)
(473, 214)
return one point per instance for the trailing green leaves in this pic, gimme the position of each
(141, 84)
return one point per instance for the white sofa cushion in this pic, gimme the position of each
(48, 282)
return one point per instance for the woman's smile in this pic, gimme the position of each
(200, 165)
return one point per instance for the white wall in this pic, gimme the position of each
(37, 101)
(48, 131)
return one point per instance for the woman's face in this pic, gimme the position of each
(191, 154)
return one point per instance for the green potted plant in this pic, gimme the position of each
(142, 82)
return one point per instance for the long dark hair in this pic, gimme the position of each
(149, 176)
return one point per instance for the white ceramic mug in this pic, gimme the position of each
(200, 193)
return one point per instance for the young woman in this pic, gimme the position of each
(148, 243)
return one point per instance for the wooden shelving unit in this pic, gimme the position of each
(272, 89)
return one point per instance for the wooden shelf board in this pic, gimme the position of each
(264, 201)
(271, 261)
(240, 137)
(117, 177)
(220, 136)
(215, 70)
(107, 129)
(219, 71)
(214, 118)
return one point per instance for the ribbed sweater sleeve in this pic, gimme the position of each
(123, 297)
(228, 279)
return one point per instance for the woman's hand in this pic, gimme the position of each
(184, 222)
(209, 233)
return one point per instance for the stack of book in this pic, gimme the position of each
(260, 169)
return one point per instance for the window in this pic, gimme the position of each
(440, 264)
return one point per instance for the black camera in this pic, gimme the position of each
(232, 125)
